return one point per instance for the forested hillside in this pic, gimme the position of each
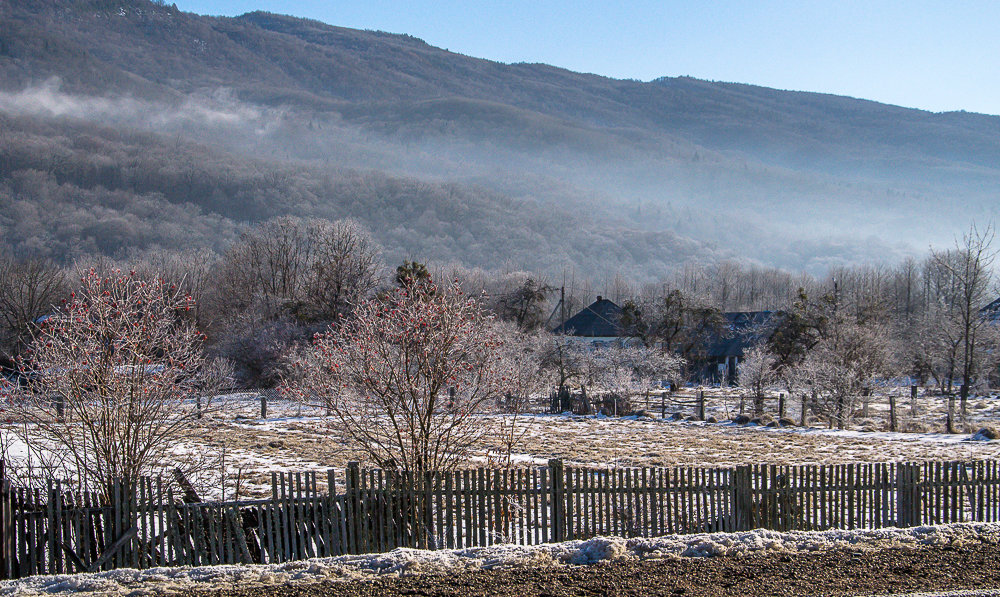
(127, 124)
(68, 191)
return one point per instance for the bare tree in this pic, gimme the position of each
(343, 268)
(970, 267)
(938, 343)
(407, 374)
(679, 323)
(522, 304)
(192, 271)
(629, 371)
(111, 376)
(284, 281)
(522, 353)
(564, 359)
(29, 289)
(265, 267)
(310, 269)
(757, 373)
(850, 357)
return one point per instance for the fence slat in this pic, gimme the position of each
(139, 524)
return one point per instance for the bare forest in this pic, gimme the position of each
(308, 312)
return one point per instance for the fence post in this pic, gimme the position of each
(353, 502)
(781, 406)
(50, 525)
(743, 498)
(558, 491)
(913, 401)
(6, 538)
(263, 405)
(907, 494)
(701, 405)
(892, 414)
(332, 520)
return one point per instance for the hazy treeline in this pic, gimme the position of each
(69, 189)
(281, 281)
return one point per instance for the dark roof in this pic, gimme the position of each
(992, 310)
(743, 330)
(601, 318)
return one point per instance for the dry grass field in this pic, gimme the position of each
(299, 438)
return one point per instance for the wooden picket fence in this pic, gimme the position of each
(51, 530)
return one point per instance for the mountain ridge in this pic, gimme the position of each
(690, 158)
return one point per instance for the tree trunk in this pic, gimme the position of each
(964, 393)
(951, 413)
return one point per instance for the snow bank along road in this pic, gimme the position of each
(887, 561)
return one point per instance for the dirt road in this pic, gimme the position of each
(840, 572)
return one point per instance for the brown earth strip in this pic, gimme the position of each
(832, 573)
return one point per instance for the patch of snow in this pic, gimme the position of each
(984, 435)
(168, 581)
(967, 593)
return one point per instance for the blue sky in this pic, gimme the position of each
(931, 55)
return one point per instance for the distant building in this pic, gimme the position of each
(743, 330)
(992, 311)
(598, 323)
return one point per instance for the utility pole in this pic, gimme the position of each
(562, 305)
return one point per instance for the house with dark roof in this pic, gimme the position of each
(598, 323)
(741, 331)
(992, 311)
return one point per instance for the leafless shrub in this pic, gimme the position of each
(112, 378)
(756, 373)
(407, 374)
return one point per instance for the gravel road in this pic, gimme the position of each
(926, 571)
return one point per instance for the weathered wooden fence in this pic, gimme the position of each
(47, 531)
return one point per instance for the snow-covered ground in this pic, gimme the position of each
(167, 581)
(243, 446)
(255, 447)
(238, 447)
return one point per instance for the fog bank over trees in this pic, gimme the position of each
(136, 127)
(263, 300)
